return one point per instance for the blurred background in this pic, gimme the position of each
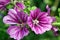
(30, 5)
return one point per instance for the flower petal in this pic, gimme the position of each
(19, 6)
(42, 14)
(3, 3)
(47, 20)
(34, 13)
(22, 16)
(22, 33)
(13, 13)
(8, 20)
(47, 27)
(17, 33)
(11, 18)
(38, 29)
(54, 29)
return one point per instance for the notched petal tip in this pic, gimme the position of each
(13, 11)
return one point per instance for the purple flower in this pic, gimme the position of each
(19, 6)
(48, 9)
(39, 21)
(3, 3)
(19, 19)
(55, 31)
(17, 33)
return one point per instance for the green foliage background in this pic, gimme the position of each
(30, 4)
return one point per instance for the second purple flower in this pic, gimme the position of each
(39, 21)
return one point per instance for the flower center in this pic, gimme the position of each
(35, 21)
(21, 25)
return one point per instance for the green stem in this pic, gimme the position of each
(54, 5)
(56, 24)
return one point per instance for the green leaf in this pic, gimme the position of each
(9, 6)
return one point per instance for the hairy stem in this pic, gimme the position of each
(55, 5)
(56, 24)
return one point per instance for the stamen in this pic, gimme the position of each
(21, 25)
(35, 21)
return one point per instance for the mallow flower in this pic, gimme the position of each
(39, 21)
(19, 21)
(55, 31)
(3, 3)
(19, 6)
